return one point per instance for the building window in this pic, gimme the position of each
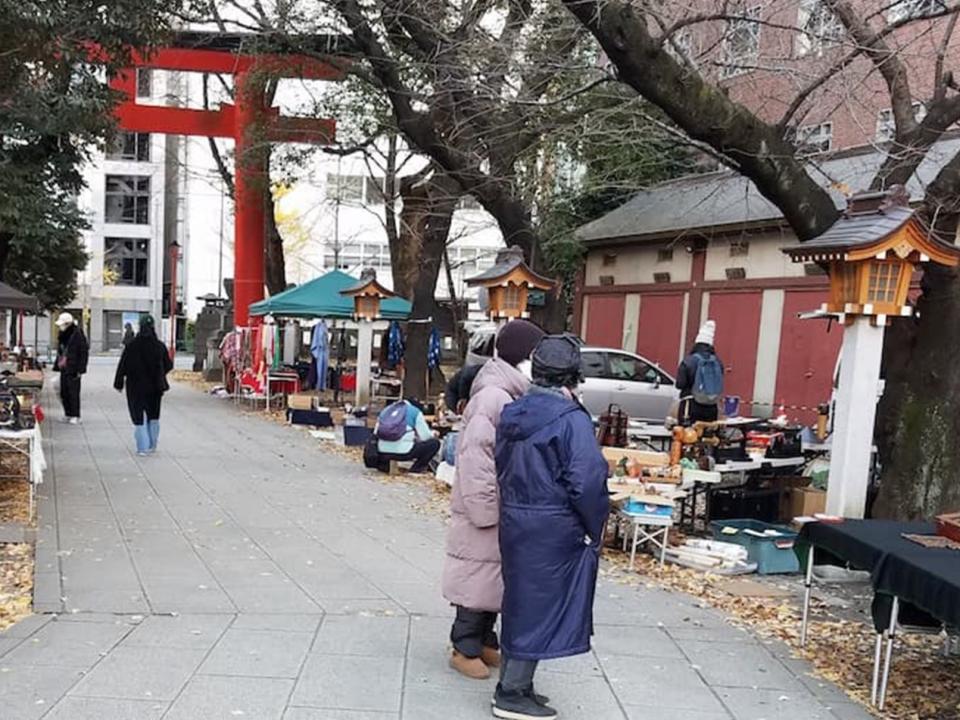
(741, 43)
(373, 190)
(606, 279)
(127, 199)
(609, 259)
(736, 273)
(661, 277)
(812, 139)
(126, 261)
(819, 28)
(665, 255)
(739, 248)
(907, 9)
(129, 146)
(346, 188)
(144, 82)
(886, 127)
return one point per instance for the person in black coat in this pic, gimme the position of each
(72, 355)
(692, 411)
(143, 369)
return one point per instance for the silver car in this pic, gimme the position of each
(610, 377)
(637, 385)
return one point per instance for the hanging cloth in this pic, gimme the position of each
(320, 350)
(433, 350)
(395, 347)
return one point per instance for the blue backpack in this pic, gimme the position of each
(392, 422)
(708, 382)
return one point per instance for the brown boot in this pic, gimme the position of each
(470, 667)
(490, 657)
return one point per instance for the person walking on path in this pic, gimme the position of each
(143, 369)
(553, 511)
(700, 379)
(72, 355)
(471, 571)
(128, 334)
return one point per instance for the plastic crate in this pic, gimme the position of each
(356, 435)
(772, 554)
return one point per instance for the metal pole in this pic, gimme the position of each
(875, 681)
(174, 257)
(220, 262)
(891, 637)
(807, 588)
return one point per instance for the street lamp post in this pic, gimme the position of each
(174, 259)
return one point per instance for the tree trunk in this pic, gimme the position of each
(275, 266)
(428, 206)
(918, 430)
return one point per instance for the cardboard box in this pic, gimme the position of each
(300, 401)
(807, 501)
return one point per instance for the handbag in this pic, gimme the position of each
(613, 427)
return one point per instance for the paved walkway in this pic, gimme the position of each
(245, 573)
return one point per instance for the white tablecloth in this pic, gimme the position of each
(38, 462)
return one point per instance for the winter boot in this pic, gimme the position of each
(490, 657)
(473, 668)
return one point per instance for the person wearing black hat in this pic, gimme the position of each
(471, 571)
(143, 368)
(553, 509)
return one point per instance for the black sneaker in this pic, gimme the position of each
(520, 706)
(537, 698)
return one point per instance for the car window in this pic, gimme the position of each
(627, 367)
(481, 343)
(592, 365)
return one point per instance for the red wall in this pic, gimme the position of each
(605, 320)
(659, 328)
(737, 316)
(808, 355)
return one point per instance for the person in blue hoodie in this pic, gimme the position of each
(553, 510)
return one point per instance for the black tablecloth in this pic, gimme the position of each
(863, 543)
(929, 580)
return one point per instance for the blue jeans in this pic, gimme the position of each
(146, 435)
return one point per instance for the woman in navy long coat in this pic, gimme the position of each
(553, 508)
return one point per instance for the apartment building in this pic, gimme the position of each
(136, 206)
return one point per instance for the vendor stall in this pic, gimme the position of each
(330, 297)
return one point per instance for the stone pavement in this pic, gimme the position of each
(244, 573)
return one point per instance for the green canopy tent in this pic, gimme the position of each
(321, 298)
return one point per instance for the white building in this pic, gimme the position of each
(136, 208)
(147, 191)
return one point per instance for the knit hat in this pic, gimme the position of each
(556, 361)
(707, 332)
(516, 340)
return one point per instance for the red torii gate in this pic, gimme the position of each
(249, 123)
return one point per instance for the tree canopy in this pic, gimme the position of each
(55, 107)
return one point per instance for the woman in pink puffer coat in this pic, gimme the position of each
(471, 573)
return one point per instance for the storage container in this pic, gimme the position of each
(772, 553)
(356, 435)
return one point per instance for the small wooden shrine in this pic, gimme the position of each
(367, 294)
(871, 253)
(508, 284)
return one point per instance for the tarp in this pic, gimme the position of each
(321, 298)
(13, 299)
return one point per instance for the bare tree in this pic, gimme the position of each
(866, 46)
